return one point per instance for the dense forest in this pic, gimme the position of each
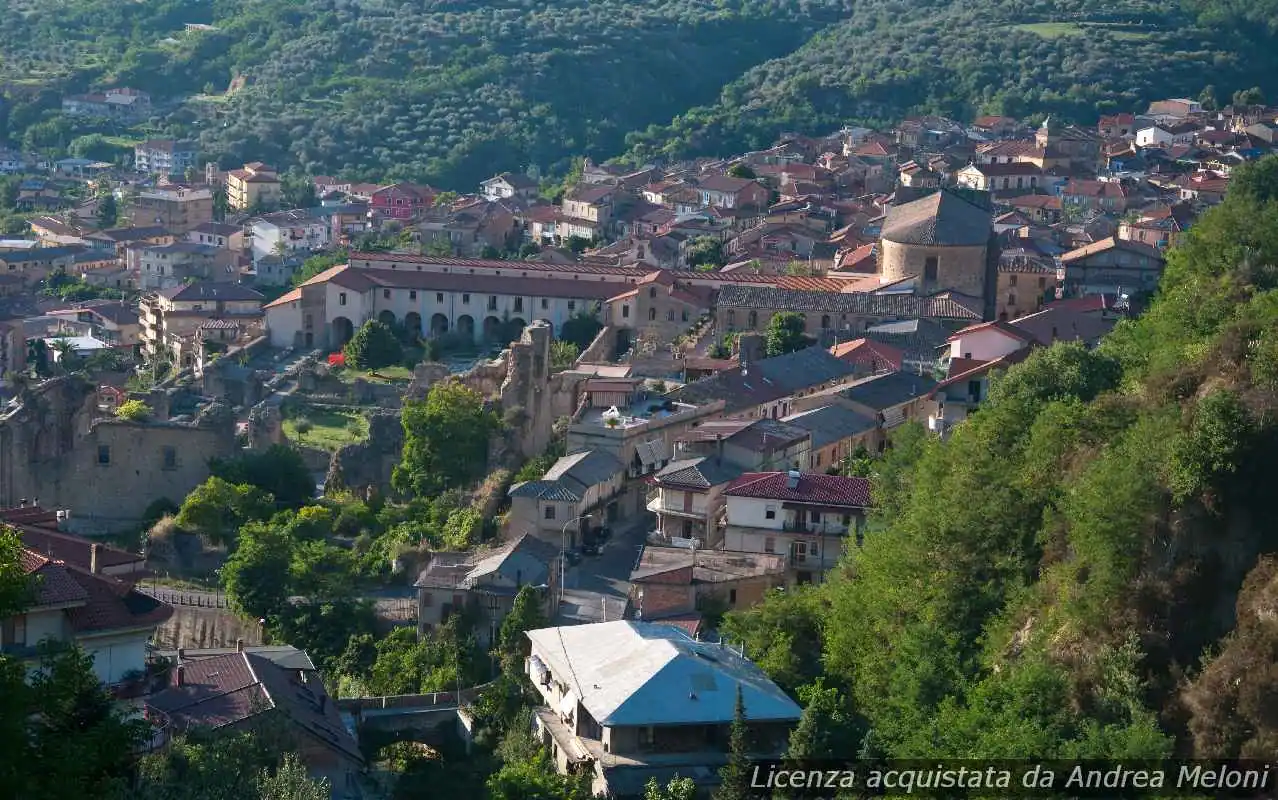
(1087, 567)
(451, 91)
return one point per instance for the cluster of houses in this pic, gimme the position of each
(919, 262)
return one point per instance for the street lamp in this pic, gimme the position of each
(563, 554)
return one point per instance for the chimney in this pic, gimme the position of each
(239, 645)
(95, 552)
(179, 676)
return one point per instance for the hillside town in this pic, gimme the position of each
(663, 389)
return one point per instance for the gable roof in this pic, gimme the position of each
(860, 303)
(830, 424)
(810, 487)
(942, 219)
(701, 472)
(867, 351)
(889, 389)
(629, 673)
(1112, 243)
(766, 380)
(569, 478)
(204, 290)
(1005, 328)
(724, 183)
(226, 689)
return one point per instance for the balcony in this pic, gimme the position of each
(656, 507)
(815, 528)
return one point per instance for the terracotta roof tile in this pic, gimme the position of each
(813, 488)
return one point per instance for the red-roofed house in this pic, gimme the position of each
(869, 355)
(104, 616)
(656, 305)
(401, 200)
(988, 341)
(231, 692)
(806, 517)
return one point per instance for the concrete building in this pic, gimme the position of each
(176, 208)
(487, 582)
(36, 264)
(218, 234)
(836, 433)
(578, 484)
(171, 265)
(687, 498)
(164, 156)
(183, 310)
(1112, 266)
(254, 185)
(809, 518)
(288, 232)
(629, 701)
(101, 614)
(675, 585)
(121, 103)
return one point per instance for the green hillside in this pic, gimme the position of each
(450, 91)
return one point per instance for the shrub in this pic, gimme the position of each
(133, 411)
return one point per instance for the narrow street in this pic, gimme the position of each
(597, 588)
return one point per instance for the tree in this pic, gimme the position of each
(373, 346)
(677, 789)
(705, 253)
(216, 509)
(133, 411)
(742, 170)
(298, 191)
(1249, 97)
(38, 356)
(735, 775)
(785, 333)
(290, 782)
(563, 354)
(316, 264)
(256, 576)
(278, 471)
(580, 329)
(446, 440)
(108, 211)
(526, 614)
(440, 248)
(828, 728)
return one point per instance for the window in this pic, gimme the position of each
(625, 312)
(1011, 299)
(818, 459)
(104, 454)
(550, 512)
(492, 302)
(465, 299)
(815, 516)
(684, 315)
(670, 315)
(310, 321)
(439, 297)
(687, 501)
(1042, 283)
(732, 597)
(341, 299)
(770, 545)
(847, 520)
(652, 314)
(385, 294)
(14, 630)
(652, 293)
(519, 304)
(1011, 280)
(572, 305)
(930, 267)
(170, 457)
(545, 303)
(753, 319)
(732, 318)
(770, 512)
(428, 599)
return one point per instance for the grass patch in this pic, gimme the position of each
(396, 374)
(327, 429)
(1051, 30)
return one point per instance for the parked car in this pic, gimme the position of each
(591, 548)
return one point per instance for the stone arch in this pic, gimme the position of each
(413, 323)
(387, 318)
(517, 326)
(342, 331)
(492, 328)
(466, 326)
(438, 325)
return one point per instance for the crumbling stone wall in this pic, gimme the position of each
(369, 463)
(58, 449)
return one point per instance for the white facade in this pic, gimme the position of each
(298, 235)
(813, 540)
(984, 344)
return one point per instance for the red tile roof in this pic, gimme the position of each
(868, 351)
(998, 325)
(835, 490)
(53, 585)
(113, 605)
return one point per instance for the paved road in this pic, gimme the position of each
(599, 586)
